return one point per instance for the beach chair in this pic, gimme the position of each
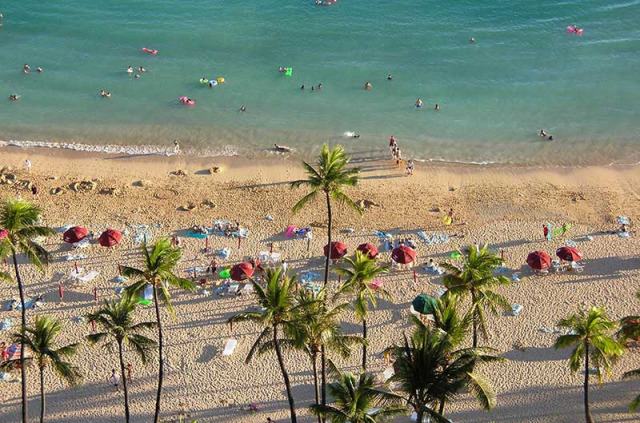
(88, 277)
(577, 267)
(230, 347)
(233, 288)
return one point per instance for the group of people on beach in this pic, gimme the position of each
(396, 154)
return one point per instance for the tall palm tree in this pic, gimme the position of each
(358, 400)
(451, 330)
(330, 178)
(363, 270)
(315, 326)
(630, 330)
(590, 333)
(277, 302)
(41, 343)
(116, 318)
(20, 221)
(158, 271)
(476, 278)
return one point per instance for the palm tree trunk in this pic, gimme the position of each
(127, 415)
(43, 400)
(420, 414)
(314, 364)
(156, 417)
(323, 358)
(323, 365)
(441, 409)
(587, 413)
(364, 346)
(285, 375)
(475, 319)
(23, 315)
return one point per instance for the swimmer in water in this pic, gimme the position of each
(130, 70)
(418, 103)
(242, 109)
(543, 133)
(141, 69)
(39, 69)
(367, 85)
(26, 68)
(437, 107)
(14, 97)
(355, 135)
(550, 138)
(472, 40)
(302, 88)
(389, 77)
(137, 76)
(319, 87)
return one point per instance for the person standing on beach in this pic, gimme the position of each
(176, 147)
(114, 380)
(129, 372)
(546, 233)
(450, 215)
(35, 191)
(27, 165)
(410, 168)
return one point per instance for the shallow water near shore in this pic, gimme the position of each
(523, 73)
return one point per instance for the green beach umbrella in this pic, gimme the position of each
(225, 274)
(424, 304)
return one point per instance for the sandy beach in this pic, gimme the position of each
(503, 206)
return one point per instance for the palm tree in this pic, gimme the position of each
(630, 330)
(363, 270)
(277, 302)
(357, 400)
(589, 332)
(20, 220)
(477, 278)
(41, 342)
(315, 326)
(116, 317)
(451, 329)
(330, 179)
(159, 264)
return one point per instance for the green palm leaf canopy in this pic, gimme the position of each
(424, 304)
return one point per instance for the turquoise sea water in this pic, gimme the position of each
(523, 73)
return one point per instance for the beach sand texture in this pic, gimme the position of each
(504, 207)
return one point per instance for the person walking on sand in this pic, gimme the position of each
(27, 165)
(410, 167)
(450, 215)
(114, 380)
(546, 232)
(129, 368)
(176, 147)
(35, 191)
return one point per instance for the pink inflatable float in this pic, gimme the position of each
(187, 101)
(575, 30)
(150, 51)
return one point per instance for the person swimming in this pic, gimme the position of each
(354, 135)
(437, 107)
(141, 69)
(418, 103)
(543, 133)
(130, 70)
(472, 40)
(242, 109)
(137, 76)
(302, 87)
(39, 69)
(389, 77)
(14, 97)
(319, 87)
(367, 85)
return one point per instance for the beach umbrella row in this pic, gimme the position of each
(539, 260)
(108, 238)
(338, 250)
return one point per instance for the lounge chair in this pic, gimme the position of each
(230, 347)
(88, 277)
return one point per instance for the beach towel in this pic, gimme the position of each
(82, 244)
(266, 256)
(515, 277)
(120, 279)
(6, 324)
(623, 234)
(561, 230)
(70, 257)
(119, 290)
(230, 347)
(5, 377)
(138, 227)
(88, 277)
(196, 235)
(515, 309)
(223, 253)
(623, 220)
(65, 228)
(382, 235)
(309, 277)
(141, 237)
(147, 292)
(571, 243)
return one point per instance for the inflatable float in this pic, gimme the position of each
(213, 83)
(150, 51)
(288, 72)
(220, 80)
(573, 30)
(187, 101)
(204, 81)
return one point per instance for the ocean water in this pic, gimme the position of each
(523, 73)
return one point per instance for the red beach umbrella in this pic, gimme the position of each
(241, 271)
(4, 233)
(369, 250)
(403, 255)
(75, 234)
(539, 260)
(110, 237)
(568, 253)
(338, 250)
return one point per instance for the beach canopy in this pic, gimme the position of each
(110, 237)
(539, 260)
(241, 271)
(403, 254)
(75, 234)
(368, 250)
(338, 250)
(568, 253)
(424, 304)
